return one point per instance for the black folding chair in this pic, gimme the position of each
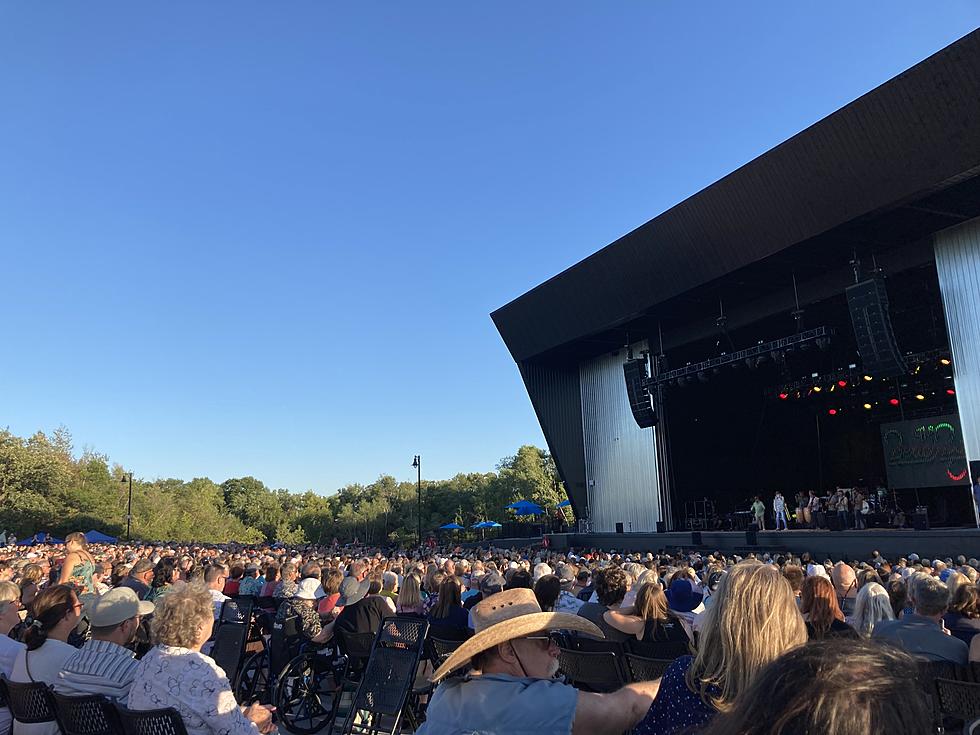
(642, 668)
(438, 650)
(164, 721)
(959, 700)
(229, 647)
(29, 703)
(588, 644)
(91, 714)
(237, 610)
(929, 672)
(592, 671)
(659, 649)
(386, 683)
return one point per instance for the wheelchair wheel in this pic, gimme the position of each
(305, 695)
(253, 680)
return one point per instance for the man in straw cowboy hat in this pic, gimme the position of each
(510, 687)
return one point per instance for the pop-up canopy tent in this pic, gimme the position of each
(97, 537)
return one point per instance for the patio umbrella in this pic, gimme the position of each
(451, 527)
(493, 524)
(529, 510)
(565, 503)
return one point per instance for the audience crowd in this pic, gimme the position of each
(771, 643)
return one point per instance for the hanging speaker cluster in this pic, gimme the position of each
(868, 303)
(641, 402)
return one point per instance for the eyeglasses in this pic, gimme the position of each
(552, 637)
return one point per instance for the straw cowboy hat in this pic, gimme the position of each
(508, 615)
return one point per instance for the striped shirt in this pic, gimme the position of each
(98, 667)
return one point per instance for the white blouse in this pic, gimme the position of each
(195, 686)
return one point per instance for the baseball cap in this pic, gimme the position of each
(115, 606)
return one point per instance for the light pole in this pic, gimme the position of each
(417, 464)
(129, 505)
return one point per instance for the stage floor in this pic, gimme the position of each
(847, 545)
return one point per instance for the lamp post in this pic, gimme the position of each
(129, 505)
(417, 464)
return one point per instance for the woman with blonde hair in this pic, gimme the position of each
(30, 582)
(409, 601)
(650, 620)
(79, 565)
(752, 621)
(872, 605)
(9, 648)
(176, 674)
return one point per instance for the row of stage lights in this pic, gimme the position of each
(819, 385)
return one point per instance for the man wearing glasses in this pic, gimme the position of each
(215, 577)
(103, 665)
(512, 661)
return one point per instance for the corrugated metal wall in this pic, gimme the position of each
(958, 265)
(620, 457)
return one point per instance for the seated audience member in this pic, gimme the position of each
(871, 606)
(651, 620)
(922, 633)
(176, 674)
(963, 618)
(103, 665)
(57, 611)
(845, 586)
(362, 613)
(752, 621)
(567, 599)
(511, 689)
(832, 687)
(271, 580)
(448, 619)
(286, 587)
(252, 582)
(610, 588)
(330, 582)
(10, 608)
(794, 575)
(584, 586)
(31, 579)
(139, 578)
(215, 577)
(297, 616)
(165, 576)
(389, 585)
(546, 590)
(897, 595)
(234, 582)
(823, 617)
(409, 600)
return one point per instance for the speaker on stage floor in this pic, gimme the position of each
(619, 528)
(833, 522)
(752, 535)
(920, 521)
(661, 526)
(695, 538)
(819, 519)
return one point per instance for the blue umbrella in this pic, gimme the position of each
(493, 524)
(565, 503)
(97, 537)
(529, 510)
(451, 527)
(481, 524)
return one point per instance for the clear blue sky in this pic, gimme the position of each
(265, 238)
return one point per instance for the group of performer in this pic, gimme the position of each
(851, 506)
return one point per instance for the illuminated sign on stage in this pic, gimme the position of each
(924, 453)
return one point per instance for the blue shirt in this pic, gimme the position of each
(676, 707)
(499, 703)
(922, 637)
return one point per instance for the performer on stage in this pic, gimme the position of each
(759, 509)
(812, 508)
(779, 509)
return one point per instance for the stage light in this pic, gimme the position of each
(867, 406)
(945, 361)
(868, 378)
(950, 392)
(919, 397)
(893, 401)
(783, 396)
(817, 389)
(842, 383)
(832, 412)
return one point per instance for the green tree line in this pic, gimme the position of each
(44, 485)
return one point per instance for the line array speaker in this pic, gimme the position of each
(868, 303)
(641, 403)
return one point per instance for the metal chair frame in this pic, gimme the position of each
(29, 703)
(165, 721)
(90, 714)
(597, 671)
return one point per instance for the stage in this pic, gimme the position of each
(847, 545)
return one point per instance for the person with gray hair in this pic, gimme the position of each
(922, 633)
